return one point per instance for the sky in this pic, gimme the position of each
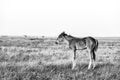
(99, 18)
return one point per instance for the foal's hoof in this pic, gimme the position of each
(73, 68)
(91, 68)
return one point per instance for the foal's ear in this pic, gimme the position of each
(64, 32)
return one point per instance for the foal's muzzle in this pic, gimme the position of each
(56, 42)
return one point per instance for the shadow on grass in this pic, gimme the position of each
(60, 72)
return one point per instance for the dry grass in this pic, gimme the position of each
(40, 59)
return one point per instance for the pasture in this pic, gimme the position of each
(30, 58)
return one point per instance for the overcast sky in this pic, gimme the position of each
(51, 17)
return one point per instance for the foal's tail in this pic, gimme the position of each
(95, 48)
(96, 45)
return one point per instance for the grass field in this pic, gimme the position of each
(30, 58)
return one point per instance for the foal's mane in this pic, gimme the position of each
(70, 36)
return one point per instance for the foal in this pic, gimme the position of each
(75, 43)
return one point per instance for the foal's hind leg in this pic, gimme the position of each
(93, 58)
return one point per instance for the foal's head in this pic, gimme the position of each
(61, 37)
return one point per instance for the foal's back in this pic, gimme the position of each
(81, 43)
(77, 43)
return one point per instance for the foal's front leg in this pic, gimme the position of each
(90, 62)
(74, 57)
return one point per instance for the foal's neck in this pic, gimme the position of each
(68, 38)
